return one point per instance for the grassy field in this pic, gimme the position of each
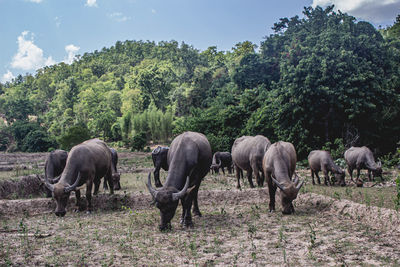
(235, 233)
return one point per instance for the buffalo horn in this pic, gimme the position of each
(181, 194)
(296, 179)
(278, 184)
(72, 187)
(299, 185)
(49, 186)
(152, 191)
(55, 180)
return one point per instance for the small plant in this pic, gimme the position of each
(313, 238)
(282, 242)
(348, 191)
(397, 198)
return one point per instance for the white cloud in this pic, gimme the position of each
(371, 10)
(91, 3)
(118, 16)
(35, 1)
(29, 56)
(153, 11)
(71, 50)
(7, 77)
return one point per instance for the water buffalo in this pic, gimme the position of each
(362, 158)
(159, 156)
(189, 160)
(87, 163)
(247, 154)
(220, 161)
(116, 176)
(320, 160)
(279, 164)
(54, 166)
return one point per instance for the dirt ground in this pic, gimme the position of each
(235, 229)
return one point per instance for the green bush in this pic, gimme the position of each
(73, 136)
(138, 141)
(38, 141)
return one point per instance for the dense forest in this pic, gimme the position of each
(321, 80)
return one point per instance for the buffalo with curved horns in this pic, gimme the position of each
(221, 160)
(279, 164)
(159, 156)
(54, 166)
(87, 163)
(189, 160)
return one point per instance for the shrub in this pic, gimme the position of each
(138, 141)
(37, 141)
(73, 136)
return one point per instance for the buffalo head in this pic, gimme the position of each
(289, 193)
(166, 200)
(340, 177)
(116, 177)
(378, 171)
(61, 192)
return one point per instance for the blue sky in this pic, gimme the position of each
(35, 33)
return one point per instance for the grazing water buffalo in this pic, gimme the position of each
(54, 166)
(279, 164)
(362, 158)
(247, 154)
(189, 160)
(116, 176)
(159, 156)
(320, 160)
(87, 163)
(220, 161)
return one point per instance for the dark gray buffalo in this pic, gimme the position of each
(116, 176)
(54, 166)
(362, 158)
(247, 154)
(159, 156)
(87, 163)
(279, 164)
(320, 160)
(220, 161)
(189, 160)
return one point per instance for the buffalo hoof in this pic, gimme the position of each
(188, 224)
(238, 187)
(158, 185)
(197, 213)
(165, 228)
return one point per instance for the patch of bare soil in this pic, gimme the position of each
(236, 229)
(23, 187)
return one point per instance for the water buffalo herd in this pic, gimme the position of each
(188, 160)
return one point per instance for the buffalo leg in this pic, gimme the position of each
(89, 185)
(157, 177)
(369, 176)
(249, 178)
(196, 210)
(110, 181)
(237, 177)
(256, 173)
(312, 176)
(358, 174)
(223, 170)
(78, 200)
(97, 186)
(319, 180)
(105, 186)
(350, 170)
(326, 177)
(272, 191)
(186, 207)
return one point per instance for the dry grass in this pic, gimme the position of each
(237, 232)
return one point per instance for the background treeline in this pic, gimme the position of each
(320, 80)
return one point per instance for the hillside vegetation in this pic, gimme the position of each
(323, 80)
